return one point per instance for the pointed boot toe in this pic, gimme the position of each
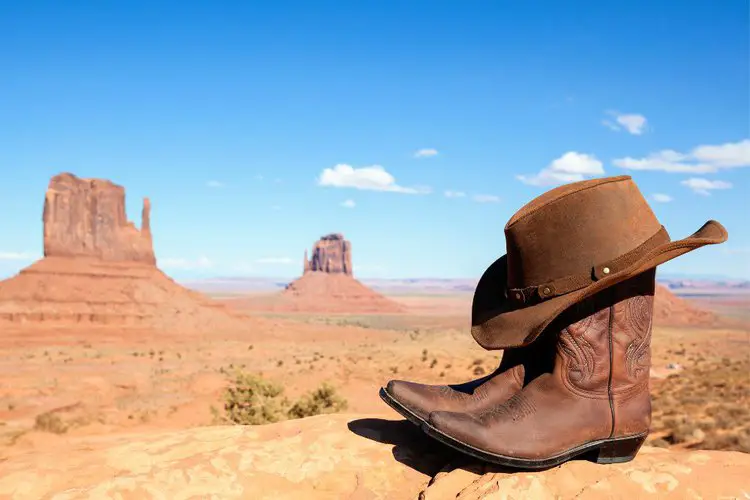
(408, 398)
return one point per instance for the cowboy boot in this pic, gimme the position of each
(517, 367)
(596, 400)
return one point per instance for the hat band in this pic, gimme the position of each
(537, 293)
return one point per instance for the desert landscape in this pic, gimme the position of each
(100, 351)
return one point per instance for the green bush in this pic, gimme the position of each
(251, 400)
(322, 400)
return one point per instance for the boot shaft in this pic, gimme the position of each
(606, 338)
(604, 351)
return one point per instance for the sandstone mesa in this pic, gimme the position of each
(99, 269)
(86, 218)
(327, 283)
(331, 254)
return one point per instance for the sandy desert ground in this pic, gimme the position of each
(59, 382)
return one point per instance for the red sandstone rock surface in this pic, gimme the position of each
(671, 310)
(331, 254)
(86, 218)
(327, 284)
(343, 456)
(100, 270)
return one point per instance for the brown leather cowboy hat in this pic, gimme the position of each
(566, 245)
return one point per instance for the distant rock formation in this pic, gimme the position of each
(327, 284)
(86, 218)
(98, 269)
(331, 254)
(671, 310)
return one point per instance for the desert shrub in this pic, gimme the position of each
(250, 400)
(683, 433)
(707, 406)
(50, 422)
(731, 441)
(320, 401)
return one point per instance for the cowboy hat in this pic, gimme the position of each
(566, 245)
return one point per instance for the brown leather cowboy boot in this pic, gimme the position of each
(517, 368)
(596, 400)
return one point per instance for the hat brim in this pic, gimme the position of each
(496, 325)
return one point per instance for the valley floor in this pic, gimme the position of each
(64, 382)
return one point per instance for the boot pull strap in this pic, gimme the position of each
(536, 293)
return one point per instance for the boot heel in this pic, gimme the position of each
(620, 450)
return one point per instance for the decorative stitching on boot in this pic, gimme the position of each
(517, 408)
(639, 318)
(580, 356)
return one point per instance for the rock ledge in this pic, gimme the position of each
(340, 456)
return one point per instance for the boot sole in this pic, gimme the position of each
(602, 451)
(401, 409)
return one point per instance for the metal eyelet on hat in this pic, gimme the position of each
(519, 297)
(545, 291)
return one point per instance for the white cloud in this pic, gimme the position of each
(633, 123)
(701, 160)
(274, 260)
(17, 256)
(727, 155)
(348, 204)
(486, 198)
(215, 184)
(705, 186)
(426, 153)
(454, 194)
(374, 178)
(661, 198)
(570, 167)
(185, 264)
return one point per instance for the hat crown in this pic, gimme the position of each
(575, 227)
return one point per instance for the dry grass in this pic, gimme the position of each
(706, 406)
(251, 400)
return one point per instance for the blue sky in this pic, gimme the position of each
(227, 115)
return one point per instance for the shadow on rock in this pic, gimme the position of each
(415, 449)
(411, 446)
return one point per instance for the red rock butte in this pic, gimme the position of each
(671, 310)
(86, 218)
(327, 283)
(99, 269)
(331, 254)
